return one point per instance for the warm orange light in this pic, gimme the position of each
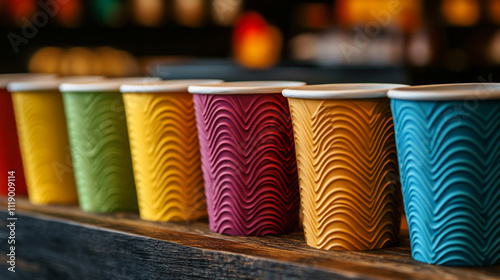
(406, 14)
(78, 61)
(115, 63)
(494, 48)
(104, 61)
(494, 10)
(189, 12)
(461, 12)
(148, 12)
(46, 60)
(256, 44)
(314, 15)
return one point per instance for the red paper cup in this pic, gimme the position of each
(10, 155)
(248, 157)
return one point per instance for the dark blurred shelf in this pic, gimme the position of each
(440, 75)
(230, 71)
(61, 242)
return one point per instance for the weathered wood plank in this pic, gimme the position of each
(61, 242)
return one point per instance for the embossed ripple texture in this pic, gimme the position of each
(44, 147)
(248, 162)
(346, 156)
(101, 152)
(166, 156)
(449, 155)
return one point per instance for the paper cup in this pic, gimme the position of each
(346, 157)
(100, 148)
(43, 140)
(448, 141)
(165, 150)
(248, 157)
(10, 155)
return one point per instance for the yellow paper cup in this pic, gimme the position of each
(43, 140)
(346, 157)
(165, 150)
(10, 154)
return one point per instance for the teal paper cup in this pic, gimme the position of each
(100, 148)
(448, 144)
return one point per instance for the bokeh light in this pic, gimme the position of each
(225, 12)
(78, 61)
(148, 12)
(461, 12)
(315, 15)
(256, 44)
(494, 11)
(406, 14)
(69, 12)
(116, 63)
(19, 9)
(190, 13)
(494, 48)
(105, 61)
(109, 12)
(46, 60)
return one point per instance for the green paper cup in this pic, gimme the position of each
(100, 148)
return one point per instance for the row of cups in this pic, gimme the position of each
(248, 153)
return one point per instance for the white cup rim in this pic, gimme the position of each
(48, 84)
(463, 91)
(5, 79)
(107, 85)
(251, 87)
(166, 86)
(341, 91)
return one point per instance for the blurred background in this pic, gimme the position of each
(410, 41)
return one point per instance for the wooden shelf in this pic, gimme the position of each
(62, 242)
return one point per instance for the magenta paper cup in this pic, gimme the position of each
(248, 157)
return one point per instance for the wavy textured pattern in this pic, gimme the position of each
(248, 162)
(449, 155)
(166, 156)
(101, 152)
(44, 147)
(346, 156)
(10, 154)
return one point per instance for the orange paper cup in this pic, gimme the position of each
(346, 157)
